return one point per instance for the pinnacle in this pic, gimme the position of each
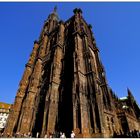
(55, 9)
(77, 10)
(54, 15)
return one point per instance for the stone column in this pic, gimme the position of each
(15, 111)
(99, 96)
(28, 105)
(27, 113)
(75, 97)
(85, 126)
(53, 91)
(42, 54)
(91, 82)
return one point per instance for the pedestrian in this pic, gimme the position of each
(63, 135)
(46, 136)
(72, 134)
(24, 135)
(37, 135)
(60, 134)
(51, 136)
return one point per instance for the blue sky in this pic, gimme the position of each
(116, 28)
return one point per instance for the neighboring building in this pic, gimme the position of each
(64, 87)
(4, 112)
(128, 113)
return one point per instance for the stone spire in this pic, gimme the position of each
(129, 92)
(55, 9)
(54, 15)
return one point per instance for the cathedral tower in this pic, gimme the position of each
(64, 86)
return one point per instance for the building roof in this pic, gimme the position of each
(5, 105)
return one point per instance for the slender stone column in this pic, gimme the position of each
(75, 97)
(99, 94)
(27, 114)
(15, 111)
(28, 107)
(42, 54)
(91, 80)
(53, 91)
(85, 126)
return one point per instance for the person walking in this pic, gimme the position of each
(37, 135)
(46, 136)
(72, 134)
(63, 135)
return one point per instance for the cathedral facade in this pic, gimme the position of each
(64, 87)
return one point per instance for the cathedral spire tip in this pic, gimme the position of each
(54, 14)
(55, 9)
(128, 90)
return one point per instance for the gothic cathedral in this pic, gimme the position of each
(64, 87)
